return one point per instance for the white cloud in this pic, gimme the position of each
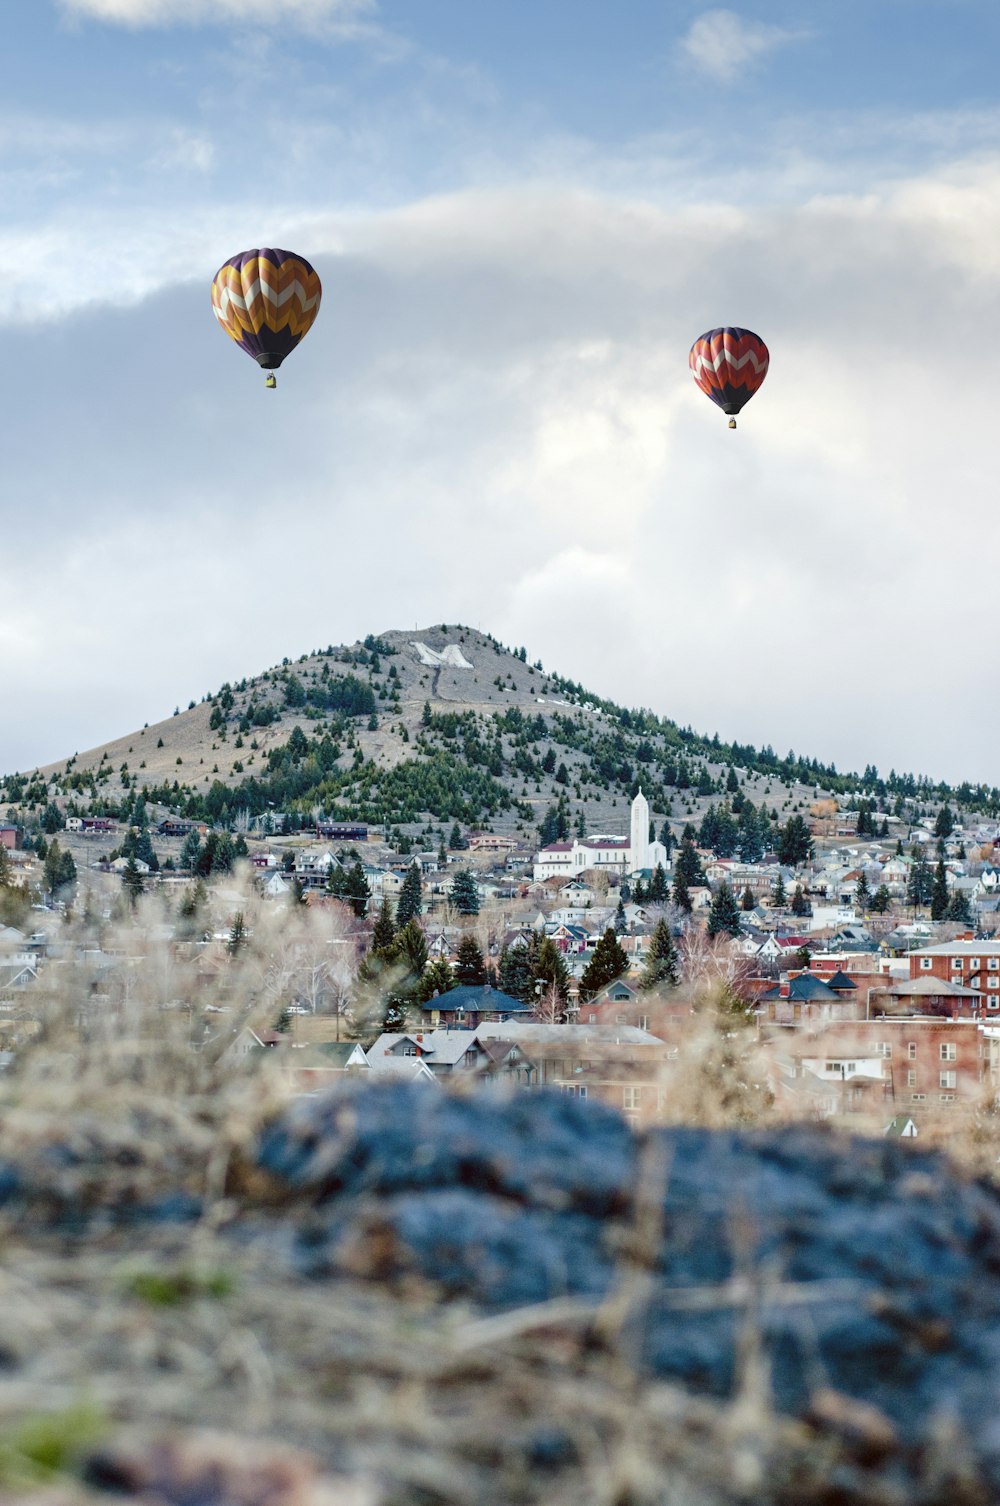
(720, 43)
(306, 13)
(494, 419)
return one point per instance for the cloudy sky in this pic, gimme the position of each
(523, 214)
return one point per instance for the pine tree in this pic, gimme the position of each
(465, 893)
(920, 883)
(795, 843)
(747, 902)
(662, 968)
(881, 900)
(132, 880)
(437, 978)
(778, 894)
(959, 908)
(800, 904)
(608, 963)
(945, 823)
(939, 890)
(724, 914)
(515, 975)
(355, 890)
(237, 934)
(383, 931)
(682, 898)
(688, 864)
(621, 921)
(409, 903)
(470, 969)
(862, 893)
(456, 841)
(548, 969)
(52, 818)
(659, 890)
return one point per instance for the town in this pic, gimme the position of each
(850, 974)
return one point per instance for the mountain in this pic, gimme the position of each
(438, 726)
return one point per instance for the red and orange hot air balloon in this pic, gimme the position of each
(729, 365)
(266, 300)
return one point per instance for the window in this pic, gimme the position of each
(949, 1051)
(925, 963)
(884, 1049)
(630, 1098)
(592, 1019)
(948, 1080)
(911, 1079)
(911, 1050)
(946, 1097)
(993, 983)
(974, 964)
(993, 964)
(574, 1090)
(644, 1022)
(620, 1019)
(919, 1097)
(956, 964)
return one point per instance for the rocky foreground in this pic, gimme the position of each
(386, 1296)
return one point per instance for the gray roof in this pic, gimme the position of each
(569, 1035)
(930, 987)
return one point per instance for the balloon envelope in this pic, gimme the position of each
(729, 365)
(266, 300)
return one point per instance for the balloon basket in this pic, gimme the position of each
(271, 381)
(732, 423)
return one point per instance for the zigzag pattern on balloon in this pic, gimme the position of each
(729, 366)
(261, 290)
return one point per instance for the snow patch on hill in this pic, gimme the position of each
(451, 657)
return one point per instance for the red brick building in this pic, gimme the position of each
(8, 836)
(889, 1065)
(969, 963)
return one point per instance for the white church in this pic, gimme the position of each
(610, 854)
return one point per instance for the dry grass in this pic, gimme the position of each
(119, 1332)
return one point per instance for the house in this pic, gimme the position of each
(507, 1063)
(622, 1066)
(276, 885)
(930, 995)
(318, 1067)
(471, 1005)
(802, 998)
(443, 1053)
(901, 1127)
(342, 831)
(8, 836)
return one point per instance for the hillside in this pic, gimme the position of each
(408, 729)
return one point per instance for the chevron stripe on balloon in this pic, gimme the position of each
(729, 365)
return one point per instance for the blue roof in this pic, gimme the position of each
(474, 998)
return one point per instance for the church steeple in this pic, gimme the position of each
(639, 842)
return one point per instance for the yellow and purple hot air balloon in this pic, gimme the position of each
(729, 365)
(266, 300)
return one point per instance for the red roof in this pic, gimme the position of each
(559, 847)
